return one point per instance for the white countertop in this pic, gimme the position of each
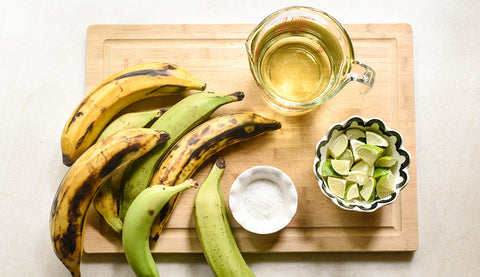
(42, 77)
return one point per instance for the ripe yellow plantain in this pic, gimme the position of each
(84, 179)
(177, 121)
(98, 107)
(105, 201)
(199, 145)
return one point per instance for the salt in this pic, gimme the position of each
(263, 199)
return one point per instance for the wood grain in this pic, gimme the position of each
(216, 54)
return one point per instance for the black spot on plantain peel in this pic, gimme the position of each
(220, 163)
(150, 72)
(195, 148)
(67, 160)
(88, 130)
(173, 89)
(117, 160)
(239, 94)
(84, 180)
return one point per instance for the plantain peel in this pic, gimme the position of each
(82, 182)
(213, 229)
(115, 93)
(199, 145)
(138, 221)
(105, 201)
(182, 117)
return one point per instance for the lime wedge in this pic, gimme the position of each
(354, 144)
(368, 190)
(386, 161)
(347, 155)
(351, 192)
(357, 177)
(386, 185)
(342, 167)
(363, 167)
(337, 186)
(380, 171)
(354, 133)
(327, 170)
(369, 153)
(376, 139)
(338, 145)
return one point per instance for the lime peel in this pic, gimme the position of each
(354, 144)
(339, 145)
(355, 133)
(369, 153)
(341, 167)
(368, 190)
(327, 170)
(386, 161)
(380, 171)
(373, 138)
(351, 192)
(386, 185)
(355, 170)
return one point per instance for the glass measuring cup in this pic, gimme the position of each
(300, 57)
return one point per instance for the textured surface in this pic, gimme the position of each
(46, 41)
(216, 55)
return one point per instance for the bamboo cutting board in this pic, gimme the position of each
(216, 54)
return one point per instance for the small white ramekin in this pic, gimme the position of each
(239, 206)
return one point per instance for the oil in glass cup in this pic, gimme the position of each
(300, 57)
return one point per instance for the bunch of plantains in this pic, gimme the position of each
(157, 151)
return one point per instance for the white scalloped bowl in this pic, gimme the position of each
(396, 149)
(253, 198)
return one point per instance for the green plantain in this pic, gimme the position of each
(213, 229)
(200, 144)
(138, 221)
(177, 121)
(105, 202)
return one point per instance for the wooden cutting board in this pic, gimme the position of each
(216, 54)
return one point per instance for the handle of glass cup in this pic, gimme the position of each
(363, 74)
